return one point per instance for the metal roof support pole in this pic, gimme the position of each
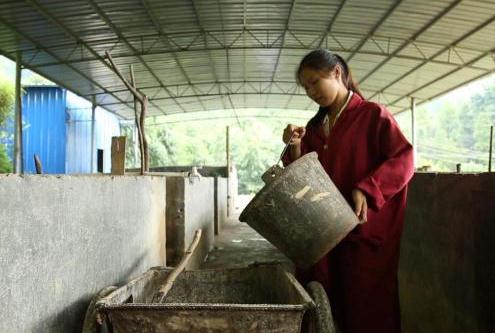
(413, 129)
(490, 150)
(93, 143)
(229, 167)
(18, 153)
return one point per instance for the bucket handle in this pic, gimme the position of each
(276, 170)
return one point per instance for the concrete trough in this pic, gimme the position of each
(447, 264)
(221, 204)
(190, 206)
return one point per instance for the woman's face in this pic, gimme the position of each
(321, 87)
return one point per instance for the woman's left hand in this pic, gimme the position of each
(360, 205)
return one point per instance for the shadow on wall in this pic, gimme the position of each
(447, 264)
(71, 319)
(64, 238)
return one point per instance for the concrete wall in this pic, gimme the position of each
(232, 192)
(205, 171)
(447, 266)
(189, 207)
(220, 210)
(63, 238)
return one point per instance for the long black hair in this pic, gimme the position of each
(324, 60)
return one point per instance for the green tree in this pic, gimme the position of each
(6, 107)
(255, 146)
(449, 133)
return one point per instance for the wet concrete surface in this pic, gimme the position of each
(239, 245)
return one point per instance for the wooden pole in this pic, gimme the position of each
(143, 100)
(38, 165)
(229, 167)
(144, 108)
(133, 90)
(118, 155)
(227, 146)
(138, 124)
(164, 289)
(18, 151)
(93, 139)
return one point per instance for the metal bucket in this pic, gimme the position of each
(301, 211)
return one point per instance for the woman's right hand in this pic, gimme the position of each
(298, 131)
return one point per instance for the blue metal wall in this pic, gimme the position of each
(44, 130)
(57, 127)
(79, 135)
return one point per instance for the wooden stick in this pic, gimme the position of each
(138, 125)
(143, 99)
(118, 155)
(144, 108)
(38, 165)
(134, 91)
(164, 289)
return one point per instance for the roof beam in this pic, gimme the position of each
(245, 88)
(458, 40)
(412, 39)
(450, 89)
(244, 14)
(374, 29)
(224, 40)
(331, 23)
(412, 92)
(212, 33)
(71, 34)
(210, 59)
(287, 23)
(216, 94)
(405, 57)
(226, 117)
(61, 61)
(165, 41)
(282, 43)
(117, 32)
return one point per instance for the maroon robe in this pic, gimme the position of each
(365, 150)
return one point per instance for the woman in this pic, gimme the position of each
(370, 161)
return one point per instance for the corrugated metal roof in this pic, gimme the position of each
(194, 55)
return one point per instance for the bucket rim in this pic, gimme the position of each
(206, 306)
(245, 212)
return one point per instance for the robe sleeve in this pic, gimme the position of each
(396, 168)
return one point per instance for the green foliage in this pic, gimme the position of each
(131, 160)
(255, 146)
(5, 164)
(6, 107)
(6, 100)
(448, 133)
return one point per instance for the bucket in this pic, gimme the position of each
(300, 211)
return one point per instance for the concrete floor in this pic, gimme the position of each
(238, 245)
